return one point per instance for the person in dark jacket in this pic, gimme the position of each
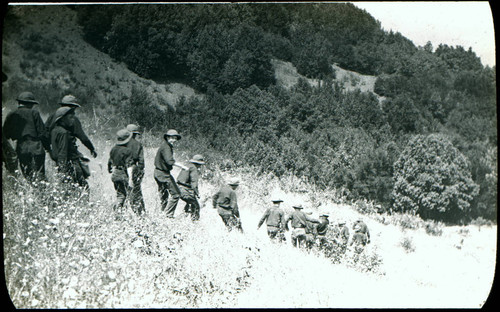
(9, 156)
(120, 166)
(187, 181)
(69, 161)
(164, 162)
(301, 225)
(363, 228)
(136, 198)
(25, 125)
(275, 221)
(359, 239)
(227, 205)
(76, 126)
(322, 230)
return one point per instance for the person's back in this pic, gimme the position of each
(25, 125)
(120, 158)
(275, 218)
(224, 200)
(298, 218)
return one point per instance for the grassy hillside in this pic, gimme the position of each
(63, 253)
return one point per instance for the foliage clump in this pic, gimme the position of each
(433, 180)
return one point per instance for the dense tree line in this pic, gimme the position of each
(339, 139)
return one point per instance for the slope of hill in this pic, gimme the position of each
(49, 50)
(96, 263)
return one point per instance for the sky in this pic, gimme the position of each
(464, 23)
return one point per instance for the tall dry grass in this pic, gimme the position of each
(63, 252)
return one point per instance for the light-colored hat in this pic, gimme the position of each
(61, 112)
(27, 97)
(233, 181)
(298, 207)
(133, 128)
(197, 159)
(341, 222)
(123, 136)
(172, 132)
(69, 100)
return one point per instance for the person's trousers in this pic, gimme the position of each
(136, 198)
(192, 206)
(121, 188)
(166, 188)
(231, 222)
(298, 237)
(32, 166)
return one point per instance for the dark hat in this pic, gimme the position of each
(61, 112)
(133, 128)
(324, 215)
(172, 132)
(197, 159)
(69, 100)
(276, 200)
(123, 136)
(27, 98)
(298, 207)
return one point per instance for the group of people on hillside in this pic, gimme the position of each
(308, 232)
(126, 164)
(57, 137)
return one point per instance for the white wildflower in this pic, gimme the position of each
(111, 275)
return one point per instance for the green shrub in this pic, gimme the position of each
(434, 228)
(407, 244)
(433, 180)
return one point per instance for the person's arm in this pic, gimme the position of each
(140, 161)
(194, 176)
(80, 134)
(41, 130)
(234, 204)
(214, 200)
(264, 217)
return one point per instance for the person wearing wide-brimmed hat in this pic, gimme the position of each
(136, 198)
(188, 186)
(164, 162)
(69, 160)
(120, 166)
(300, 223)
(275, 220)
(77, 129)
(227, 204)
(25, 125)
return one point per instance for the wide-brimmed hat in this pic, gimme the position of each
(197, 159)
(324, 215)
(123, 136)
(172, 132)
(233, 181)
(69, 100)
(276, 200)
(61, 112)
(298, 207)
(133, 128)
(341, 222)
(26, 98)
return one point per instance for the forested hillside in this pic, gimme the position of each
(334, 138)
(342, 140)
